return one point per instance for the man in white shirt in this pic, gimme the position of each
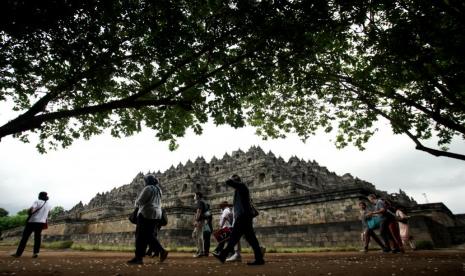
(38, 214)
(227, 221)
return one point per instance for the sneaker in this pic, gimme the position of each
(256, 262)
(234, 258)
(163, 256)
(15, 255)
(395, 251)
(220, 257)
(135, 261)
(35, 255)
(386, 250)
(263, 250)
(198, 255)
(364, 250)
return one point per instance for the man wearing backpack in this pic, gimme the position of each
(202, 226)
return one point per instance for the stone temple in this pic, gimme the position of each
(301, 204)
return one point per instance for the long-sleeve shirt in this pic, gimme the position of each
(241, 200)
(149, 202)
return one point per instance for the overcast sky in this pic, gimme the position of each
(88, 167)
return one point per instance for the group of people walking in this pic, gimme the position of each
(236, 222)
(240, 219)
(148, 219)
(391, 221)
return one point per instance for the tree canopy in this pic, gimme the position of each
(56, 211)
(73, 69)
(3, 213)
(8, 222)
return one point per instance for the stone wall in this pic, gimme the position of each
(460, 219)
(328, 219)
(324, 219)
(311, 235)
(438, 212)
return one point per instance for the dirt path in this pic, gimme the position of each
(54, 262)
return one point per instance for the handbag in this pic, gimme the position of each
(223, 234)
(253, 211)
(45, 225)
(133, 216)
(164, 218)
(206, 228)
(374, 222)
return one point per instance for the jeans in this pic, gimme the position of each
(197, 236)
(207, 236)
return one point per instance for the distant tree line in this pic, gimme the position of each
(9, 222)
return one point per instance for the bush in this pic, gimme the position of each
(58, 244)
(56, 211)
(3, 212)
(101, 247)
(424, 245)
(12, 222)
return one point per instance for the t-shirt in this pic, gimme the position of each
(204, 208)
(42, 214)
(379, 205)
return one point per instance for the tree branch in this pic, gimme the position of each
(431, 114)
(36, 121)
(419, 145)
(28, 120)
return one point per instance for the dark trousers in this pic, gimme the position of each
(153, 246)
(386, 234)
(206, 237)
(243, 226)
(145, 230)
(395, 233)
(35, 227)
(370, 233)
(220, 246)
